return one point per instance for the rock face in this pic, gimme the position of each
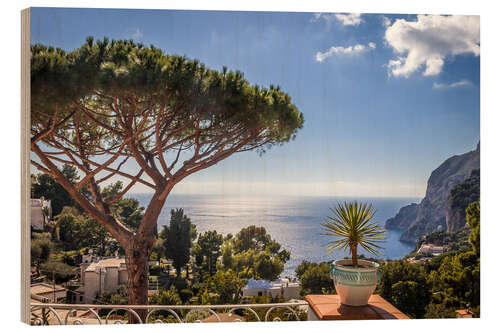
(455, 218)
(461, 196)
(430, 214)
(403, 218)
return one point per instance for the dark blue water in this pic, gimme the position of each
(295, 222)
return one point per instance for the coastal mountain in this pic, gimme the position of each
(461, 196)
(404, 218)
(430, 214)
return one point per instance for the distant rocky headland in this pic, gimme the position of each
(450, 189)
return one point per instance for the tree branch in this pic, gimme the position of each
(118, 230)
(101, 167)
(125, 190)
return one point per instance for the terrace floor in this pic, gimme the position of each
(328, 307)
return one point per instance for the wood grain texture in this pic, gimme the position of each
(25, 165)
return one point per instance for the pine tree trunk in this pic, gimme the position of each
(137, 252)
(137, 283)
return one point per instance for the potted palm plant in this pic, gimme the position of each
(352, 226)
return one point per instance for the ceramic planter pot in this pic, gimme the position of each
(354, 285)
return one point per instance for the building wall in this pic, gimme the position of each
(90, 286)
(78, 298)
(291, 292)
(111, 279)
(37, 219)
(430, 249)
(254, 292)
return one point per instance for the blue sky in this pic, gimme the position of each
(386, 98)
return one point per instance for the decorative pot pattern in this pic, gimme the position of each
(354, 284)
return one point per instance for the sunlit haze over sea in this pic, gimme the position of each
(295, 222)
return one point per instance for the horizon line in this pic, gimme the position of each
(283, 195)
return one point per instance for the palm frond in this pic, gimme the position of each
(352, 223)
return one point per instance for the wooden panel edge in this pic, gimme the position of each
(25, 165)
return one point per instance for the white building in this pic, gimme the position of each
(412, 260)
(289, 290)
(101, 275)
(38, 216)
(431, 249)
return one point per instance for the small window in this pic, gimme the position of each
(260, 293)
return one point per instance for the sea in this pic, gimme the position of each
(295, 222)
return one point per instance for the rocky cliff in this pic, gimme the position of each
(403, 218)
(461, 196)
(430, 214)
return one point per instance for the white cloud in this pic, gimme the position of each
(339, 50)
(137, 35)
(345, 19)
(458, 84)
(428, 41)
(328, 18)
(386, 21)
(349, 19)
